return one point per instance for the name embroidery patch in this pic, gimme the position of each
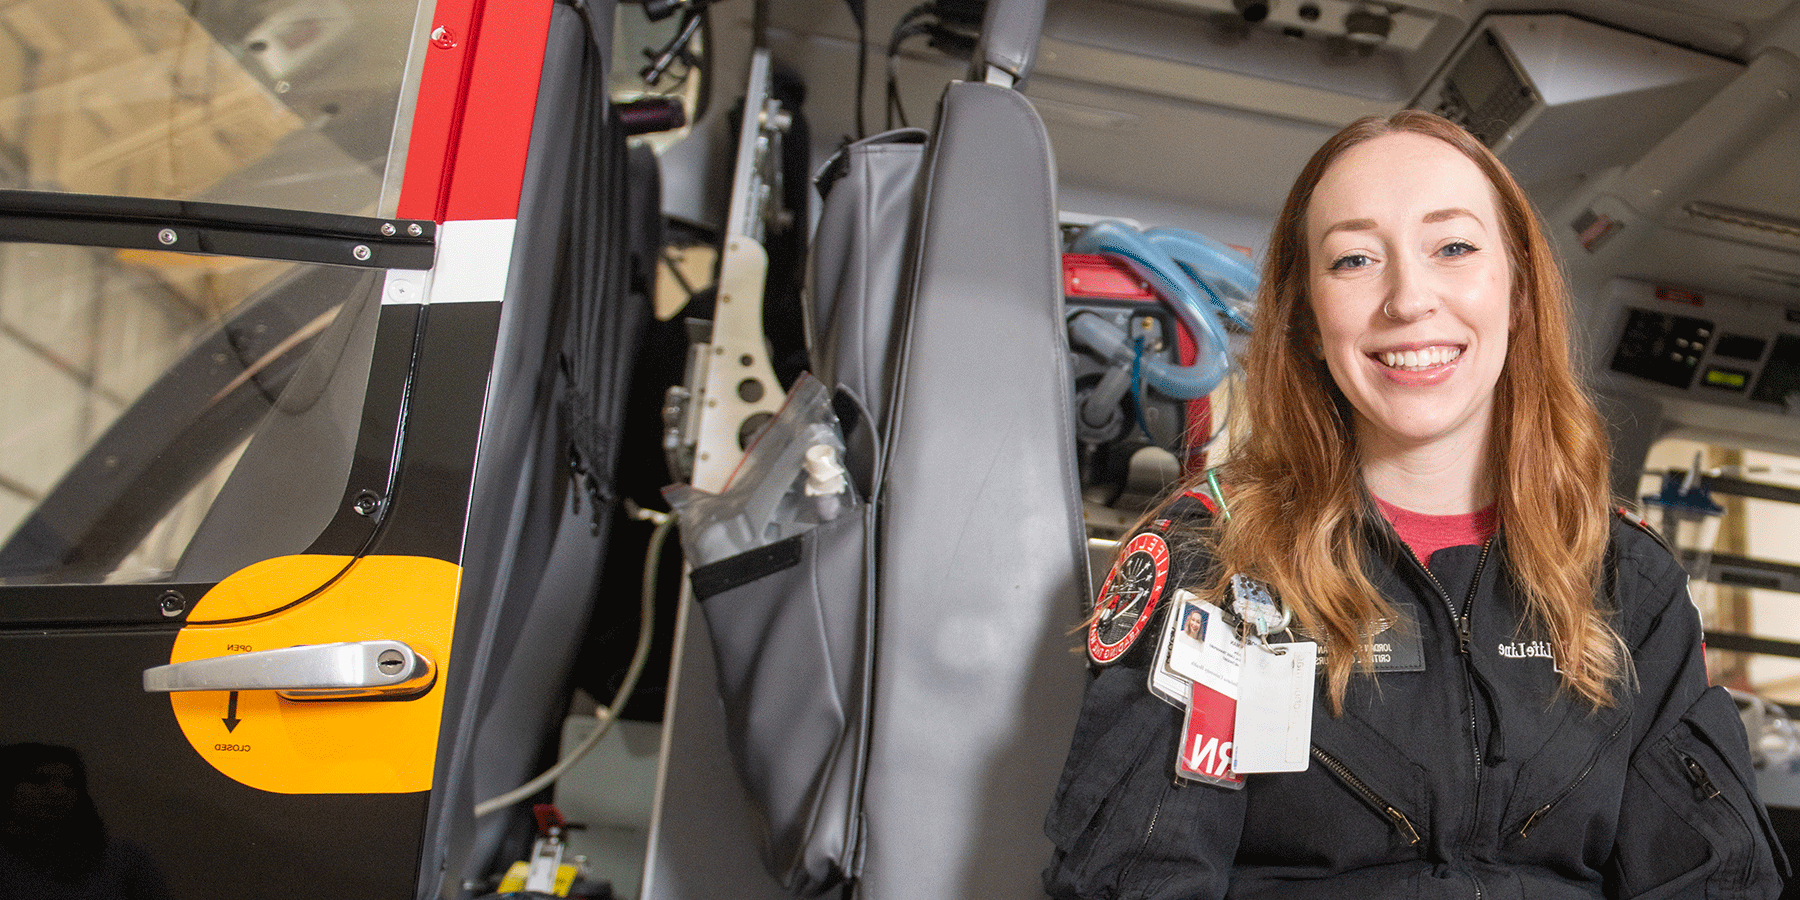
(1396, 645)
(1530, 650)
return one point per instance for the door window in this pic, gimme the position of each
(137, 384)
(283, 105)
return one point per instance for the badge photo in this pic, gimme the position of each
(1128, 597)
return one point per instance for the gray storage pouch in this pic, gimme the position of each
(790, 635)
(859, 262)
(791, 622)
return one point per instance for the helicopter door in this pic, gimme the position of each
(247, 359)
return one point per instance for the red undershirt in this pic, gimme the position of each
(1427, 534)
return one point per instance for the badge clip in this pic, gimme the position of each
(1256, 607)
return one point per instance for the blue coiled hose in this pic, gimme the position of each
(1195, 274)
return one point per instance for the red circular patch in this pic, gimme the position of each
(1128, 597)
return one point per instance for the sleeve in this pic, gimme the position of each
(1123, 826)
(1690, 822)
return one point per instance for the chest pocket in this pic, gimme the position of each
(1364, 800)
(1716, 840)
(1570, 783)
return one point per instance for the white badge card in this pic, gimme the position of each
(1164, 683)
(1273, 729)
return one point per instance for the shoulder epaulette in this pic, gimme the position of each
(1206, 500)
(1640, 524)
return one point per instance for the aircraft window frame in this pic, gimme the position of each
(298, 251)
(303, 106)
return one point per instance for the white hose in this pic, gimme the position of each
(609, 714)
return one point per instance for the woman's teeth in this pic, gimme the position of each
(1420, 359)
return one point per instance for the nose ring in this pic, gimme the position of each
(1386, 309)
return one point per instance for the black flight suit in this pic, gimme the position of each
(1475, 777)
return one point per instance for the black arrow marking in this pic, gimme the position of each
(231, 720)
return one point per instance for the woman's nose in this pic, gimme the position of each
(1409, 293)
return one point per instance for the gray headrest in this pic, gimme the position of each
(1009, 38)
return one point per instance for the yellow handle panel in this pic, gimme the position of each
(323, 746)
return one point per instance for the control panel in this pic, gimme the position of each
(1709, 347)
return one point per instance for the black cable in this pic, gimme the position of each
(895, 108)
(903, 30)
(920, 11)
(862, 72)
(675, 50)
(674, 264)
(894, 105)
(951, 42)
(380, 517)
(892, 90)
(965, 13)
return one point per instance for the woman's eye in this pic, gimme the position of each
(1349, 261)
(1458, 248)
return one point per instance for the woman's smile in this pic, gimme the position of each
(1418, 360)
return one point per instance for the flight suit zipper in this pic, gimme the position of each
(1465, 634)
(1399, 820)
(1149, 831)
(1464, 642)
(1706, 792)
(1544, 810)
(1704, 789)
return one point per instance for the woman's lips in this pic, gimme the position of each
(1418, 367)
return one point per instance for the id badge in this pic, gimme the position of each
(1206, 742)
(1204, 645)
(1273, 728)
(1206, 650)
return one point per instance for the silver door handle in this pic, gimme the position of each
(343, 671)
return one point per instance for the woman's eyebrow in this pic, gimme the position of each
(1349, 225)
(1430, 218)
(1445, 215)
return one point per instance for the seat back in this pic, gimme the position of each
(982, 569)
(956, 352)
(542, 501)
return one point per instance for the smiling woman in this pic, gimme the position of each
(1409, 362)
(1507, 423)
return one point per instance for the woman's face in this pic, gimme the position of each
(1410, 284)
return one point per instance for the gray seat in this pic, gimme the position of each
(979, 568)
(982, 568)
